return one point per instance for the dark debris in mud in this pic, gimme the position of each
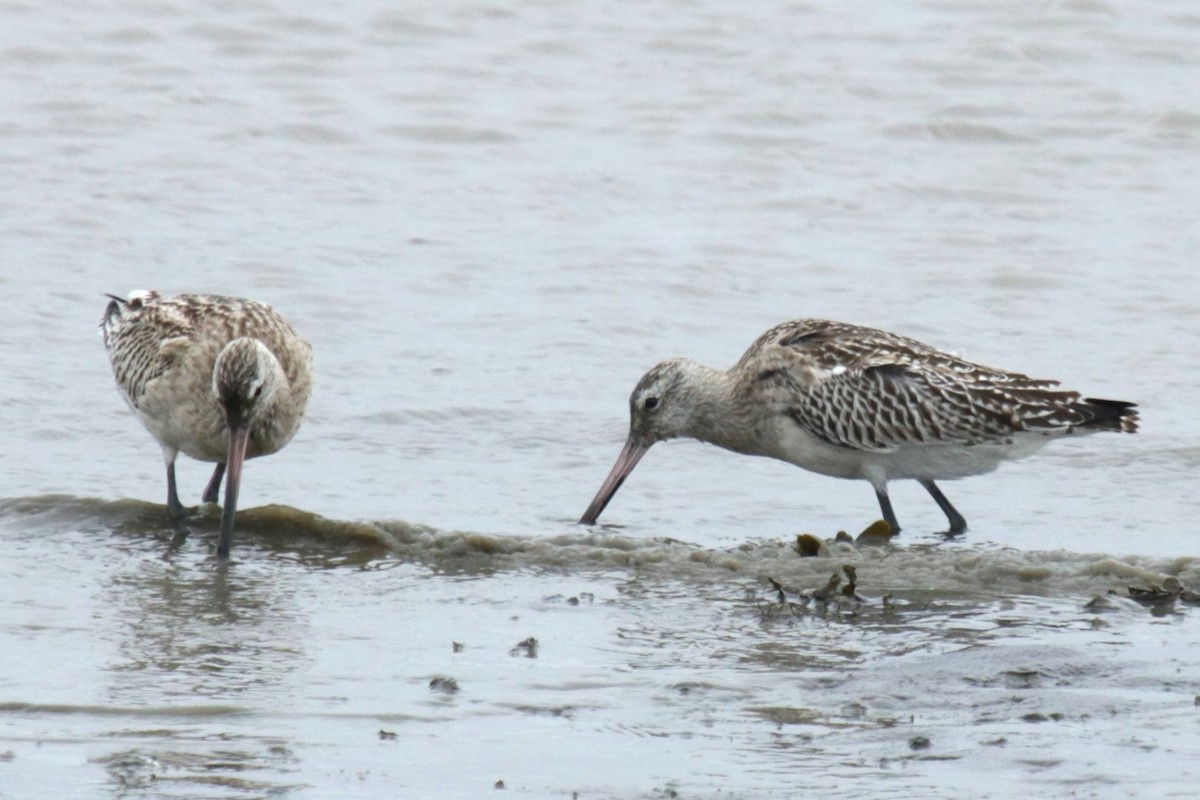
(583, 598)
(1160, 599)
(790, 600)
(1171, 592)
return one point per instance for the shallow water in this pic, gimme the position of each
(490, 219)
(317, 664)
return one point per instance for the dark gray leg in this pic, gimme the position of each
(212, 492)
(174, 507)
(885, 505)
(958, 522)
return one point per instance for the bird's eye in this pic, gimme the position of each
(651, 403)
(257, 392)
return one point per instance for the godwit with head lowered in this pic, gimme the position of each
(854, 402)
(220, 378)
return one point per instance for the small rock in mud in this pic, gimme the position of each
(457, 647)
(919, 743)
(387, 735)
(133, 769)
(527, 648)
(1100, 603)
(1022, 678)
(499, 785)
(810, 546)
(877, 533)
(443, 684)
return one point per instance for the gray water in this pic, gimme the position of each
(489, 220)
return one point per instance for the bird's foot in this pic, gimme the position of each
(958, 526)
(179, 514)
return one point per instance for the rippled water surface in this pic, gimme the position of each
(489, 220)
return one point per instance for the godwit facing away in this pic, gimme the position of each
(219, 378)
(854, 402)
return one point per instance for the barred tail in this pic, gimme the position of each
(1108, 415)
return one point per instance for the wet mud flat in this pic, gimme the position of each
(367, 658)
(489, 221)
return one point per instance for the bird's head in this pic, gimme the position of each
(246, 378)
(663, 404)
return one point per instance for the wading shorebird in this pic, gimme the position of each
(858, 403)
(219, 378)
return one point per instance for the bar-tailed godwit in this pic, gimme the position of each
(859, 403)
(219, 378)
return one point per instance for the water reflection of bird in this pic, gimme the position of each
(219, 378)
(859, 403)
